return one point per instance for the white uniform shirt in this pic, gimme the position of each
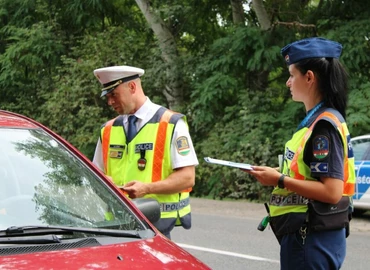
(144, 114)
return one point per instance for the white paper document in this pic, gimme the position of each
(228, 163)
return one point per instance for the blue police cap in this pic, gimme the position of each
(310, 48)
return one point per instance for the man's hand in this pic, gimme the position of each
(182, 178)
(136, 189)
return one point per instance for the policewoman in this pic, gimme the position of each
(318, 169)
(147, 150)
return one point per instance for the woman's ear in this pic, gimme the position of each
(310, 76)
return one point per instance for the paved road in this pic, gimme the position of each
(225, 236)
(256, 210)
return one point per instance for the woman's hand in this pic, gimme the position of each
(267, 176)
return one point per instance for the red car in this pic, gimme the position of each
(58, 211)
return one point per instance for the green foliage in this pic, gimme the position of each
(252, 131)
(230, 66)
(78, 110)
(19, 13)
(356, 49)
(354, 36)
(72, 102)
(233, 77)
(358, 119)
(262, 121)
(27, 63)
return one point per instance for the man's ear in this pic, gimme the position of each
(132, 86)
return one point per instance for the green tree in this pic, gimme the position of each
(216, 61)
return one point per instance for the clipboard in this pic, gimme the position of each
(229, 163)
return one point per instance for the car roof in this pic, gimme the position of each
(366, 136)
(14, 120)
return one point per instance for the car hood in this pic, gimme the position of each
(155, 253)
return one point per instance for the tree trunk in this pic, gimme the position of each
(238, 11)
(261, 14)
(172, 90)
(265, 24)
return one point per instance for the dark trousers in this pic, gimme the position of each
(319, 250)
(165, 226)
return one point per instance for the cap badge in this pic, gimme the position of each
(287, 58)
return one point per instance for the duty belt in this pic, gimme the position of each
(169, 207)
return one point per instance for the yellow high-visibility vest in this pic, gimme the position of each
(284, 201)
(124, 161)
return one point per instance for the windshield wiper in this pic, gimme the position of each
(43, 239)
(42, 230)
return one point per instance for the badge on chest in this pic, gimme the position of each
(116, 151)
(142, 148)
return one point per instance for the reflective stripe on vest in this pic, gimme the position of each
(105, 143)
(168, 207)
(160, 146)
(284, 201)
(158, 151)
(291, 199)
(122, 161)
(349, 186)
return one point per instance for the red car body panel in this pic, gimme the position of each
(16, 121)
(154, 253)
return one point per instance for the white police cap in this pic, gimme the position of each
(111, 77)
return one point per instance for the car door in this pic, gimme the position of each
(361, 149)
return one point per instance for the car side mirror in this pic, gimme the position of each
(149, 207)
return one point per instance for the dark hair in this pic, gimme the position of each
(332, 80)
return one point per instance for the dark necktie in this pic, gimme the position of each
(131, 131)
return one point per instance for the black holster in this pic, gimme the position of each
(324, 216)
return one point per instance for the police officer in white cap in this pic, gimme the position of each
(152, 155)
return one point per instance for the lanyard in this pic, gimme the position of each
(309, 115)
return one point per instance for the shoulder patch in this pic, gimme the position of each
(320, 147)
(182, 145)
(319, 167)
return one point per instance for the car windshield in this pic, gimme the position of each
(43, 183)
